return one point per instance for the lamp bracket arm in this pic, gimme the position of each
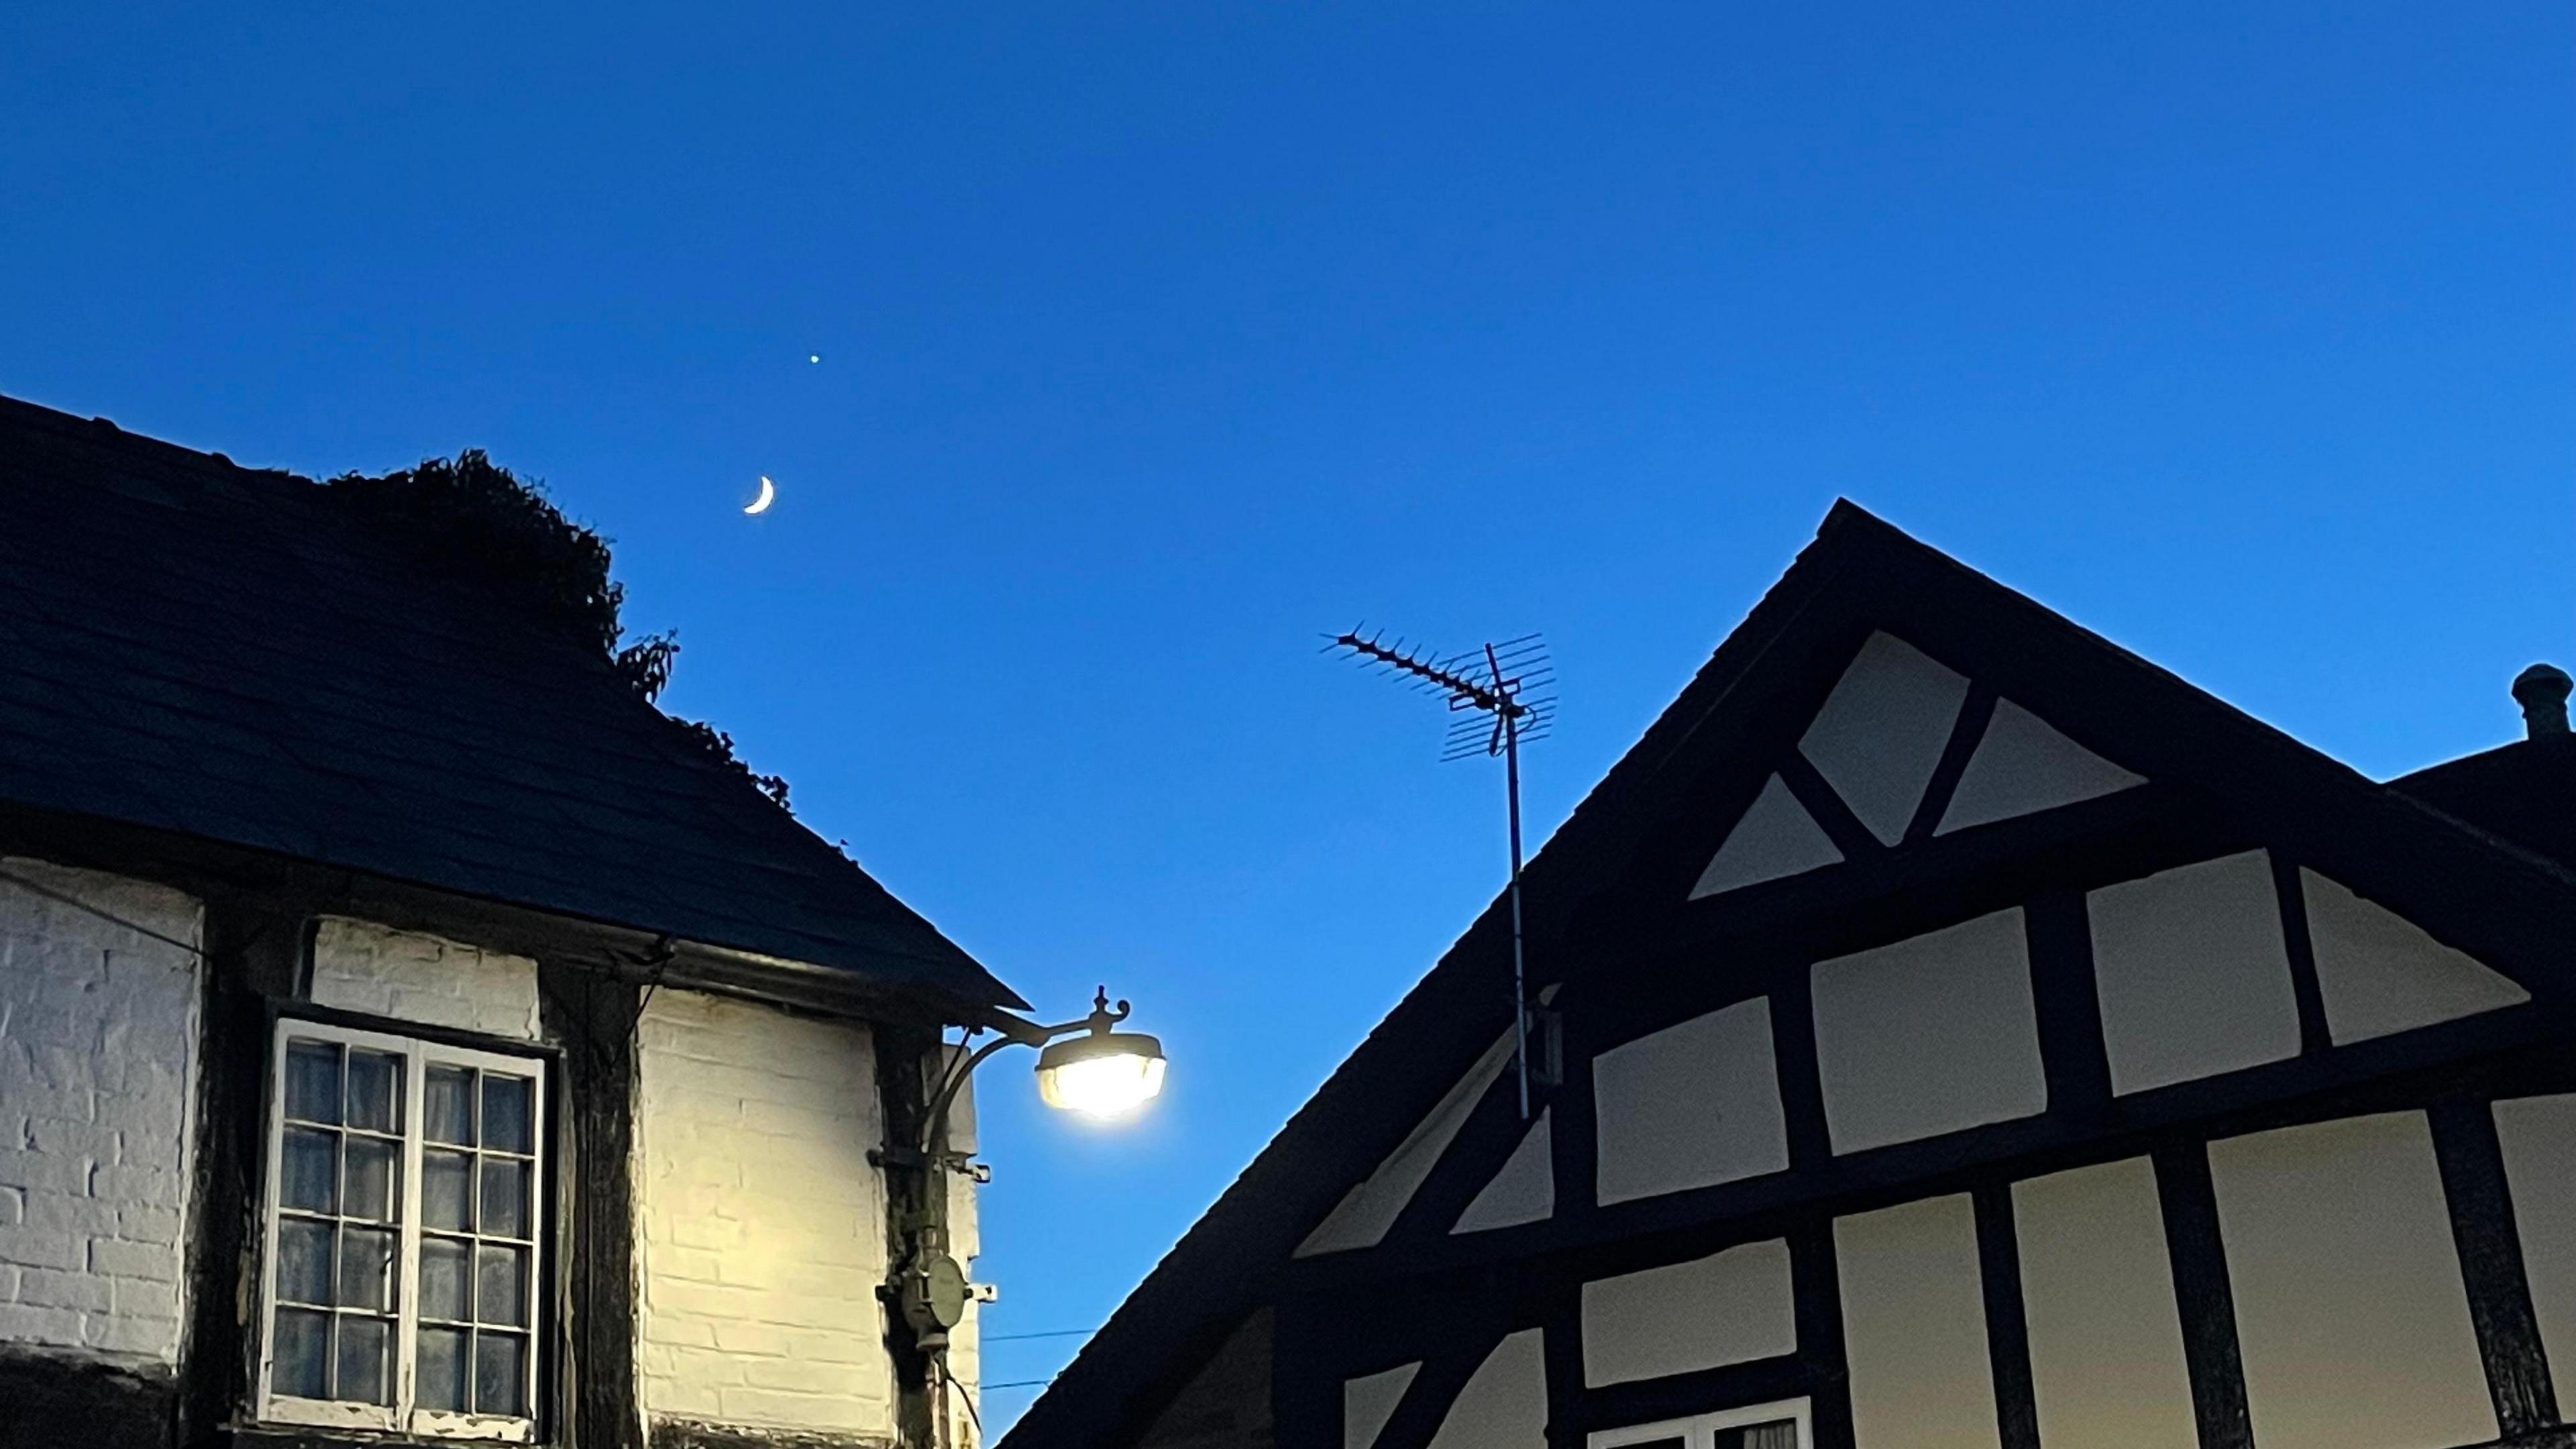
(934, 1120)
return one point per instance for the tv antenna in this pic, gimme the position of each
(1493, 691)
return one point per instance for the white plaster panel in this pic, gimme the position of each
(1369, 1401)
(1930, 1035)
(760, 1224)
(2022, 765)
(1504, 1404)
(1914, 1327)
(1732, 1307)
(1371, 1207)
(2349, 1308)
(2380, 973)
(1775, 838)
(2105, 1332)
(98, 1066)
(2538, 1135)
(1689, 1106)
(1881, 732)
(362, 966)
(2192, 976)
(1523, 1189)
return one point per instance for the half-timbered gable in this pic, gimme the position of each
(1971, 1037)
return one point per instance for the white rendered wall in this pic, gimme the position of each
(760, 1224)
(2192, 974)
(1880, 734)
(1370, 1400)
(1732, 1307)
(1933, 1034)
(1689, 1106)
(1504, 1403)
(2381, 973)
(1914, 1327)
(1373, 1204)
(361, 966)
(2349, 1307)
(2105, 1332)
(98, 1064)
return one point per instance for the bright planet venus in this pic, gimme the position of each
(768, 495)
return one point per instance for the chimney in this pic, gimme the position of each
(2541, 690)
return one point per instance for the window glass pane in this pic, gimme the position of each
(448, 1105)
(505, 1198)
(497, 1380)
(374, 1179)
(303, 1262)
(309, 1178)
(313, 1081)
(302, 1352)
(443, 1276)
(442, 1368)
(375, 1091)
(446, 1190)
(500, 1293)
(364, 1343)
(366, 1269)
(505, 1114)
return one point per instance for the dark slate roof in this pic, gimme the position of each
(2397, 843)
(237, 656)
(2524, 792)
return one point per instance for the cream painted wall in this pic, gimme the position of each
(2350, 1312)
(760, 1224)
(2105, 1331)
(2538, 1136)
(361, 966)
(1914, 1327)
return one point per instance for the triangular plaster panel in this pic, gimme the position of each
(1776, 838)
(1880, 734)
(2022, 764)
(1368, 1402)
(2381, 974)
(1504, 1404)
(1369, 1209)
(1523, 1191)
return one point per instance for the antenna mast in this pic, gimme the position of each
(1510, 671)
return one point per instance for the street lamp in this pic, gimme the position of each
(1105, 1073)
(1087, 1066)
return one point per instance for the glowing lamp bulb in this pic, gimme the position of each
(1105, 1074)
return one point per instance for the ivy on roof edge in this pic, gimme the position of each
(468, 518)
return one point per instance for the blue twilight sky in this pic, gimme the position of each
(1158, 339)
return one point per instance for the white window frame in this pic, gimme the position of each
(401, 1416)
(1700, 1430)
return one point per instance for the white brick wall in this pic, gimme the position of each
(760, 1222)
(98, 1062)
(361, 966)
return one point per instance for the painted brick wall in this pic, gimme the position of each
(361, 966)
(760, 1222)
(98, 1061)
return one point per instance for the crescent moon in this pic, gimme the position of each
(768, 495)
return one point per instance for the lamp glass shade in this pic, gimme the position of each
(1102, 1075)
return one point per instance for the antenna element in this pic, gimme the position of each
(1509, 672)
